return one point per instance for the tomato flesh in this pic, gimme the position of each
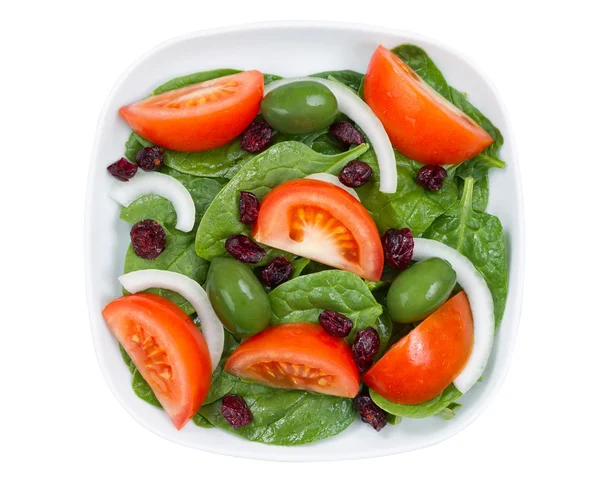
(198, 117)
(322, 222)
(299, 356)
(166, 348)
(429, 358)
(421, 123)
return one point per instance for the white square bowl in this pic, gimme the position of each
(288, 49)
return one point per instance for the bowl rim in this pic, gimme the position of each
(517, 253)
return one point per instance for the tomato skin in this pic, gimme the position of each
(199, 117)
(297, 356)
(179, 351)
(319, 208)
(429, 358)
(421, 123)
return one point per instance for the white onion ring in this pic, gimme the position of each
(159, 184)
(334, 180)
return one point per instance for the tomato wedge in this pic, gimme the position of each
(198, 117)
(420, 122)
(299, 356)
(322, 222)
(429, 358)
(167, 349)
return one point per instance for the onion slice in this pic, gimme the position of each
(159, 184)
(357, 110)
(480, 300)
(334, 180)
(212, 328)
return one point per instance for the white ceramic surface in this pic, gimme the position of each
(288, 49)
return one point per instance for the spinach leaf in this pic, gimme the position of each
(201, 77)
(298, 266)
(422, 410)
(480, 237)
(200, 421)
(179, 254)
(286, 417)
(303, 299)
(222, 162)
(448, 412)
(421, 63)
(481, 193)
(352, 79)
(411, 206)
(284, 161)
(126, 359)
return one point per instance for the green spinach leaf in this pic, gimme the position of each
(303, 299)
(349, 78)
(286, 417)
(422, 410)
(222, 162)
(284, 161)
(411, 206)
(143, 390)
(480, 237)
(298, 266)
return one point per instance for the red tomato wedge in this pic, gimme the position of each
(322, 222)
(167, 349)
(198, 117)
(298, 356)
(429, 358)
(421, 123)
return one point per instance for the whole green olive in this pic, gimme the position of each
(420, 290)
(237, 297)
(299, 107)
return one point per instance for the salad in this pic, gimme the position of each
(306, 252)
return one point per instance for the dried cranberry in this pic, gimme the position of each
(355, 174)
(244, 249)
(235, 411)
(365, 347)
(431, 177)
(256, 137)
(370, 413)
(335, 324)
(150, 158)
(248, 208)
(148, 239)
(398, 248)
(122, 170)
(346, 133)
(276, 272)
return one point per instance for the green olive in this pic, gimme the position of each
(299, 107)
(420, 290)
(237, 297)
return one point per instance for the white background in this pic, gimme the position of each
(58, 420)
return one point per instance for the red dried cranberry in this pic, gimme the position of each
(244, 249)
(431, 177)
(276, 272)
(365, 347)
(150, 158)
(148, 239)
(335, 324)
(346, 133)
(122, 170)
(256, 137)
(235, 411)
(398, 248)
(248, 208)
(370, 413)
(355, 174)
